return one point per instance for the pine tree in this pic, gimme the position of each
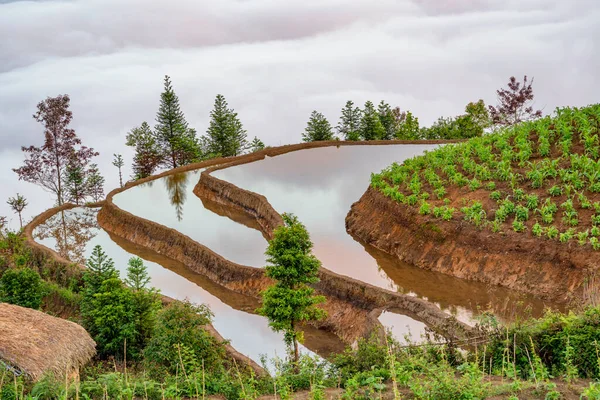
(171, 131)
(318, 128)
(293, 267)
(100, 265)
(147, 156)
(386, 117)
(95, 183)
(119, 163)
(225, 135)
(256, 145)
(100, 268)
(146, 302)
(349, 124)
(218, 128)
(236, 134)
(74, 182)
(370, 125)
(137, 274)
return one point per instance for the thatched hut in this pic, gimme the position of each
(36, 343)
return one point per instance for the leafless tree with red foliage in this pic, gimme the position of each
(45, 166)
(515, 104)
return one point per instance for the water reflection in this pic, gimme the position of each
(224, 236)
(176, 187)
(404, 329)
(320, 185)
(234, 316)
(68, 232)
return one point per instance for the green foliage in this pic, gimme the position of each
(256, 144)
(182, 323)
(177, 142)
(22, 287)
(225, 135)
(147, 155)
(317, 129)
(370, 125)
(107, 308)
(349, 124)
(109, 316)
(290, 300)
(387, 119)
(145, 302)
(555, 344)
(407, 125)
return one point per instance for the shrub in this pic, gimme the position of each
(181, 323)
(22, 287)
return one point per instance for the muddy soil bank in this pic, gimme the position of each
(347, 320)
(456, 248)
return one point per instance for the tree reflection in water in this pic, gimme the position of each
(71, 230)
(176, 185)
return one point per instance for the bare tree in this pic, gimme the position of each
(18, 204)
(45, 166)
(515, 104)
(118, 162)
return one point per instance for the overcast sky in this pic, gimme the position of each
(276, 61)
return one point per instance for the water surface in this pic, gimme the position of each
(170, 201)
(320, 185)
(234, 316)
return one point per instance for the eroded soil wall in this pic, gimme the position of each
(539, 267)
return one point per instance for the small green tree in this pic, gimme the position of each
(18, 204)
(225, 135)
(387, 119)
(181, 324)
(119, 163)
(349, 125)
(318, 128)
(22, 287)
(175, 139)
(291, 301)
(99, 269)
(107, 307)
(146, 303)
(111, 319)
(95, 183)
(147, 156)
(370, 124)
(256, 145)
(74, 182)
(406, 125)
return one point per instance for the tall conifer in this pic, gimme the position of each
(370, 125)
(349, 124)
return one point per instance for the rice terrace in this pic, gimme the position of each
(369, 252)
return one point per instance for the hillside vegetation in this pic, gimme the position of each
(539, 179)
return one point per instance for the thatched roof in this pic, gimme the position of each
(37, 343)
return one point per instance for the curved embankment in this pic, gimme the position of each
(370, 298)
(60, 264)
(457, 249)
(345, 320)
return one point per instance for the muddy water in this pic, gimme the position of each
(319, 186)
(170, 201)
(234, 316)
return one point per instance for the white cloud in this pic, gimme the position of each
(277, 61)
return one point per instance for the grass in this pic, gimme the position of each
(540, 179)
